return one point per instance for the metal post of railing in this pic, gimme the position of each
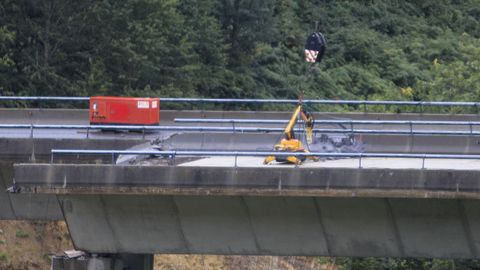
(88, 131)
(143, 133)
(236, 156)
(31, 131)
(51, 157)
(113, 158)
(471, 128)
(360, 161)
(411, 128)
(423, 161)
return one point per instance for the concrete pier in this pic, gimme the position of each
(104, 262)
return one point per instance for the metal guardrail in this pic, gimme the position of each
(322, 101)
(333, 122)
(266, 101)
(43, 98)
(173, 154)
(234, 129)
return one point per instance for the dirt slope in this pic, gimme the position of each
(29, 244)
(26, 245)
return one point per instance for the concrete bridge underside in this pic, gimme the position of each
(391, 227)
(264, 211)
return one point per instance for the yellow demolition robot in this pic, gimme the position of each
(289, 143)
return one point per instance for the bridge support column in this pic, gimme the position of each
(104, 262)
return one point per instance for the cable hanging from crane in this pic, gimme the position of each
(314, 51)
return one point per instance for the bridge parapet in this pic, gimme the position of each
(256, 181)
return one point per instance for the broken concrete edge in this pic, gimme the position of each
(22, 149)
(198, 191)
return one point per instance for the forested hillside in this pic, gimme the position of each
(376, 49)
(384, 49)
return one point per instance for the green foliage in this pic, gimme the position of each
(3, 257)
(385, 49)
(47, 257)
(458, 79)
(404, 264)
(21, 234)
(407, 50)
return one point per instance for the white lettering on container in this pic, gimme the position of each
(143, 105)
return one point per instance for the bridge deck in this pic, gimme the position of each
(386, 163)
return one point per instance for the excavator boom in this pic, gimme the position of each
(289, 143)
(307, 119)
(289, 134)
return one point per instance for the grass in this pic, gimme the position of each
(47, 257)
(21, 234)
(3, 257)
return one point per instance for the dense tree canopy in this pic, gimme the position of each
(385, 49)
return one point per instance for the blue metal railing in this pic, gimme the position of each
(332, 122)
(173, 154)
(234, 129)
(43, 98)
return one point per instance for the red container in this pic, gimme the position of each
(124, 111)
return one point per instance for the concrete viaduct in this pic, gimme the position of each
(391, 208)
